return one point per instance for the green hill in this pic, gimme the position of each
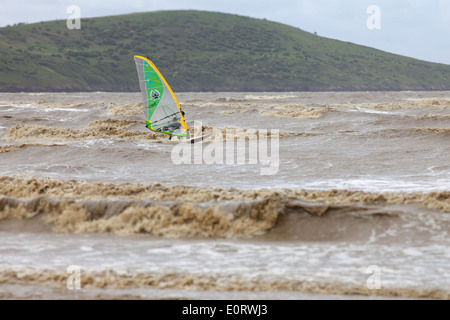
(200, 51)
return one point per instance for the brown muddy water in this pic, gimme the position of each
(328, 196)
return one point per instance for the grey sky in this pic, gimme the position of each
(414, 28)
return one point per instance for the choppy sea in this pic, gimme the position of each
(293, 196)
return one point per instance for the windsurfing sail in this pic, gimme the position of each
(163, 111)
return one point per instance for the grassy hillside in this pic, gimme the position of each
(200, 51)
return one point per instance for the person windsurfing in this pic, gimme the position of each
(174, 126)
(160, 103)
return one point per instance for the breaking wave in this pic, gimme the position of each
(390, 106)
(4, 149)
(181, 211)
(118, 129)
(98, 129)
(51, 105)
(112, 279)
(253, 97)
(240, 106)
(125, 109)
(10, 148)
(435, 130)
(238, 111)
(292, 111)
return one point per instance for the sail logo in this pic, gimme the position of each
(155, 94)
(232, 147)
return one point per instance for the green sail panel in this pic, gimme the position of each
(162, 108)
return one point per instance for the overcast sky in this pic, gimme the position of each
(414, 28)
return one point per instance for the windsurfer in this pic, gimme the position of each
(164, 113)
(174, 126)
